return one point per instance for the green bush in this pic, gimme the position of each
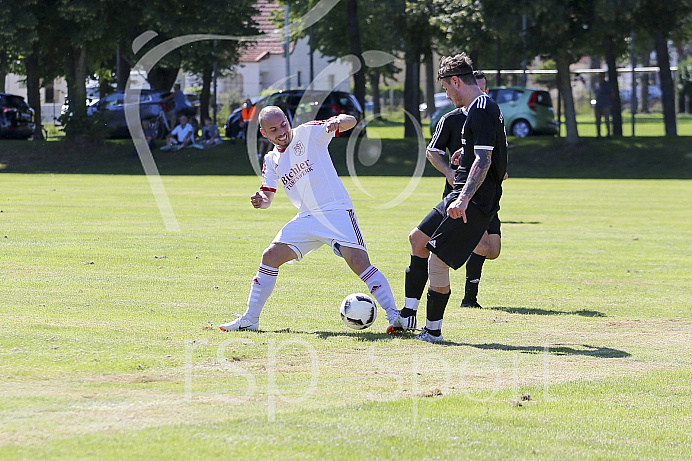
(83, 129)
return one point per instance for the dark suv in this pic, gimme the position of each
(306, 105)
(16, 117)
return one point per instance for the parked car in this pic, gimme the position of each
(305, 105)
(93, 94)
(440, 101)
(153, 105)
(655, 95)
(16, 117)
(526, 111)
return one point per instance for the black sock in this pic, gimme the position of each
(416, 279)
(437, 303)
(406, 312)
(474, 267)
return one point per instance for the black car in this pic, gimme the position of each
(305, 105)
(16, 117)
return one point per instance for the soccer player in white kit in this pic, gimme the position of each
(300, 161)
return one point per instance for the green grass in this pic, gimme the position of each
(645, 125)
(111, 348)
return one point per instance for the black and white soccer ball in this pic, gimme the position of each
(358, 311)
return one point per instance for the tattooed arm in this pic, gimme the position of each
(477, 173)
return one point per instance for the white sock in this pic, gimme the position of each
(433, 324)
(411, 303)
(262, 286)
(379, 287)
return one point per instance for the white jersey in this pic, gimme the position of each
(306, 171)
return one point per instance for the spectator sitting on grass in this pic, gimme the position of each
(149, 133)
(181, 136)
(210, 134)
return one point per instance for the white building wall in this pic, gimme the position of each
(271, 72)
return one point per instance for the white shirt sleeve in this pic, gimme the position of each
(270, 177)
(320, 133)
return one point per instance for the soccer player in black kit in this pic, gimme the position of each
(446, 137)
(465, 214)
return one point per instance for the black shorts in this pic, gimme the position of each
(494, 226)
(437, 214)
(433, 219)
(454, 240)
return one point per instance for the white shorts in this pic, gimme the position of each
(334, 228)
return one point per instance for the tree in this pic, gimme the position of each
(418, 31)
(611, 26)
(202, 57)
(368, 26)
(429, 36)
(560, 30)
(486, 25)
(356, 50)
(78, 29)
(18, 30)
(665, 20)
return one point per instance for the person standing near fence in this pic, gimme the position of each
(604, 102)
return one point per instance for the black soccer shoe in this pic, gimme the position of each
(465, 303)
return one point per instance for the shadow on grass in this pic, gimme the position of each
(553, 349)
(363, 336)
(357, 335)
(532, 311)
(556, 349)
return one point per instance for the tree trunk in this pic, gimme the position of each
(75, 61)
(161, 79)
(646, 62)
(354, 39)
(33, 88)
(411, 93)
(498, 63)
(668, 97)
(429, 83)
(3, 77)
(375, 85)
(616, 109)
(564, 84)
(123, 68)
(205, 97)
(78, 91)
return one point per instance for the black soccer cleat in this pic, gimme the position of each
(475, 304)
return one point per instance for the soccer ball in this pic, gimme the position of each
(358, 311)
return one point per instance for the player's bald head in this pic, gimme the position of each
(270, 113)
(274, 126)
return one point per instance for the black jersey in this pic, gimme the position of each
(484, 129)
(447, 136)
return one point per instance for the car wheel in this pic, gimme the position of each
(521, 129)
(160, 129)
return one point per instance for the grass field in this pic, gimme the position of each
(111, 348)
